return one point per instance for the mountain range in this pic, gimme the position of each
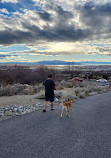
(58, 62)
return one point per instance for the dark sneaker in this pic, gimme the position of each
(44, 110)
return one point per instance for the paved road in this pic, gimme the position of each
(87, 134)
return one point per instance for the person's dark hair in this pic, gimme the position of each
(49, 76)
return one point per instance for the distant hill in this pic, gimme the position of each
(58, 62)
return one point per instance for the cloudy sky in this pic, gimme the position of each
(69, 30)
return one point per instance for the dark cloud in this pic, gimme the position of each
(65, 14)
(61, 31)
(66, 33)
(95, 19)
(12, 37)
(104, 9)
(45, 16)
(105, 49)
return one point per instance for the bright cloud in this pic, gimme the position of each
(4, 10)
(11, 1)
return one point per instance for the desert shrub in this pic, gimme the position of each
(89, 88)
(20, 87)
(9, 90)
(58, 94)
(69, 85)
(1, 91)
(82, 95)
(68, 93)
(37, 88)
(77, 91)
(105, 89)
(86, 92)
(63, 82)
(30, 90)
(41, 95)
(60, 86)
(97, 88)
(92, 93)
(41, 87)
(82, 85)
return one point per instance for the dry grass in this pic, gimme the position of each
(19, 100)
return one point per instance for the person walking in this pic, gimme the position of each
(49, 92)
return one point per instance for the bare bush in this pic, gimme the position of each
(17, 74)
(82, 95)
(60, 86)
(41, 94)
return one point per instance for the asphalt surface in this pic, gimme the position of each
(86, 134)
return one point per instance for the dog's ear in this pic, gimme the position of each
(68, 99)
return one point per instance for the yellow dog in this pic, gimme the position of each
(66, 106)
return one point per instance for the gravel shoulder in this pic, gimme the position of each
(18, 101)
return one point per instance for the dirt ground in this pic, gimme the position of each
(19, 100)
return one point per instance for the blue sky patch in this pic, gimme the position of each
(13, 48)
